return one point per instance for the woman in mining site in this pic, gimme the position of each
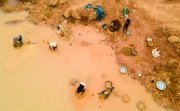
(81, 88)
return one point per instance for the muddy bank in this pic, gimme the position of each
(131, 51)
(36, 78)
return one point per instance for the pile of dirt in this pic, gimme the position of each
(129, 51)
(50, 11)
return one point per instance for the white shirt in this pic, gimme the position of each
(53, 44)
(82, 83)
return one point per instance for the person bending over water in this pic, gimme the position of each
(81, 88)
(17, 41)
(53, 45)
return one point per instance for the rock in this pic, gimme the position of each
(76, 15)
(66, 13)
(53, 2)
(71, 12)
(79, 13)
(173, 39)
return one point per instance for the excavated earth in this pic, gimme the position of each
(159, 19)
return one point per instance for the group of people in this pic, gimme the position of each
(18, 42)
(82, 86)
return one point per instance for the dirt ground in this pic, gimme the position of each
(158, 19)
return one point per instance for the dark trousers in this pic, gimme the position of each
(80, 89)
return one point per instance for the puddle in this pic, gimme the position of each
(34, 78)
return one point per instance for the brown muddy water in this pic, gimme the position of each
(33, 78)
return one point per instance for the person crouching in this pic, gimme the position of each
(81, 88)
(17, 41)
(52, 45)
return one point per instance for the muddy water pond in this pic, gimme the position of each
(34, 78)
